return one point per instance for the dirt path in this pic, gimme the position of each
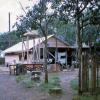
(66, 78)
(10, 90)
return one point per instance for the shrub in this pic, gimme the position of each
(20, 78)
(74, 84)
(20, 69)
(28, 83)
(25, 80)
(2, 61)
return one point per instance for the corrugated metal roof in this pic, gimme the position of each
(83, 46)
(18, 47)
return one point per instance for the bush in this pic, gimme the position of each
(25, 80)
(28, 83)
(2, 61)
(74, 86)
(20, 78)
(20, 69)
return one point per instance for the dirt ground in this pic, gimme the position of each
(10, 90)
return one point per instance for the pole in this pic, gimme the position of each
(56, 53)
(27, 49)
(22, 50)
(9, 21)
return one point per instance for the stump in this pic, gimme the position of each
(35, 77)
(76, 98)
(36, 72)
(55, 90)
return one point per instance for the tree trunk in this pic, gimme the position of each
(79, 49)
(45, 57)
(93, 74)
(45, 51)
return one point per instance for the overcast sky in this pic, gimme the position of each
(14, 8)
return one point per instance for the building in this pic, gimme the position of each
(32, 51)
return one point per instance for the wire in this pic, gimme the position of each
(21, 6)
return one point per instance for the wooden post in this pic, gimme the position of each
(27, 49)
(33, 50)
(39, 50)
(9, 39)
(93, 74)
(87, 71)
(84, 72)
(22, 51)
(56, 51)
(66, 59)
(81, 74)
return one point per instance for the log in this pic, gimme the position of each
(55, 90)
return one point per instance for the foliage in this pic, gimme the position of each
(74, 84)
(97, 44)
(8, 39)
(65, 31)
(36, 18)
(28, 83)
(87, 11)
(53, 83)
(19, 78)
(91, 24)
(25, 80)
(2, 61)
(20, 69)
(91, 33)
(86, 97)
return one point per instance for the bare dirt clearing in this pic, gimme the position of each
(10, 90)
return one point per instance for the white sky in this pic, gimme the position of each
(14, 8)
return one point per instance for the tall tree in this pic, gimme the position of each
(38, 17)
(4, 39)
(73, 10)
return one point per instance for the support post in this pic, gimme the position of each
(93, 74)
(22, 51)
(27, 49)
(33, 50)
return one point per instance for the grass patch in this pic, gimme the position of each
(19, 78)
(28, 83)
(74, 84)
(54, 83)
(25, 80)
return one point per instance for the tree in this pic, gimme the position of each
(74, 10)
(91, 24)
(37, 18)
(8, 39)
